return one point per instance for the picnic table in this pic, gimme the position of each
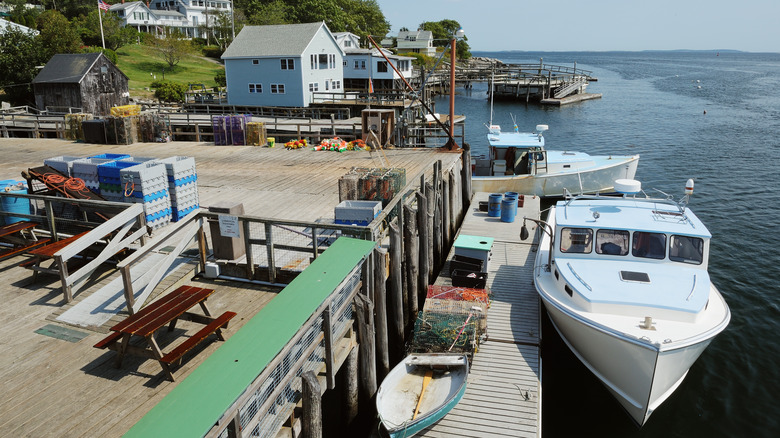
(165, 311)
(14, 234)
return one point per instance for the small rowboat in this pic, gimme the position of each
(419, 391)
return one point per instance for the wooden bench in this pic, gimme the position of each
(213, 327)
(109, 340)
(45, 252)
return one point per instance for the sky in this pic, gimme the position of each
(600, 25)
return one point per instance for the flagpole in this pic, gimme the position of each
(100, 18)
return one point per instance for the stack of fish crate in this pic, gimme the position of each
(62, 164)
(147, 183)
(111, 187)
(182, 184)
(87, 169)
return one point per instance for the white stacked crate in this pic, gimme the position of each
(148, 184)
(182, 184)
(87, 170)
(62, 164)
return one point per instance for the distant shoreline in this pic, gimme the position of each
(624, 51)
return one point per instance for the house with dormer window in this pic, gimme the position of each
(282, 65)
(415, 41)
(188, 17)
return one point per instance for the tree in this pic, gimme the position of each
(172, 48)
(274, 12)
(57, 35)
(361, 17)
(20, 54)
(443, 31)
(114, 33)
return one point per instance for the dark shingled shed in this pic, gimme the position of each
(88, 81)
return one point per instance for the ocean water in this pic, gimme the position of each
(654, 105)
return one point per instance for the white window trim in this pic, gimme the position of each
(277, 89)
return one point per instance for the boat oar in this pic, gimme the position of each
(426, 382)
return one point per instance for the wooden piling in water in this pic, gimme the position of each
(437, 215)
(380, 309)
(424, 233)
(311, 420)
(412, 251)
(466, 177)
(430, 198)
(351, 387)
(365, 317)
(395, 299)
(446, 214)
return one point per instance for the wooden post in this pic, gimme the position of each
(380, 315)
(351, 387)
(466, 175)
(412, 251)
(422, 220)
(446, 214)
(395, 301)
(365, 318)
(437, 231)
(311, 420)
(454, 209)
(250, 262)
(269, 245)
(430, 197)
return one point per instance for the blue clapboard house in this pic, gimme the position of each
(283, 65)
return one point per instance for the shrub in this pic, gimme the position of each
(220, 79)
(110, 54)
(212, 51)
(167, 91)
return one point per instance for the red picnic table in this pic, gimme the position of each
(165, 311)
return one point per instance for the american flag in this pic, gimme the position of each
(103, 5)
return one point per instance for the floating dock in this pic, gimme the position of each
(503, 396)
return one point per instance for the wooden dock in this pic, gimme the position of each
(54, 383)
(503, 396)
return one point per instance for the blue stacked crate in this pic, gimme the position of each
(111, 187)
(147, 183)
(182, 184)
(87, 169)
(62, 164)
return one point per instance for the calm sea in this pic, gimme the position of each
(654, 104)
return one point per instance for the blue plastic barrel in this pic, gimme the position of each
(508, 209)
(512, 195)
(494, 205)
(14, 205)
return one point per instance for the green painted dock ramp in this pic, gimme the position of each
(197, 403)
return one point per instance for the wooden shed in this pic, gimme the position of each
(87, 82)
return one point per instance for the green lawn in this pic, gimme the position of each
(141, 65)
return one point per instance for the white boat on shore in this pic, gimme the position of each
(421, 390)
(518, 162)
(625, 282)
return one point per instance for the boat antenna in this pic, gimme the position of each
(514, 122)
(492, 79)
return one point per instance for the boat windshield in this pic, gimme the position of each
(576, 240)
(649, 245)
(612, 242)
(686, 249)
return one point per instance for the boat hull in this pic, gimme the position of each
(640, 376)
(592, 180)
(401, 390)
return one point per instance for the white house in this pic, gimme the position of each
(360, 65)
(282, 65)
(416, 41)
(185, 16)
(5, 24)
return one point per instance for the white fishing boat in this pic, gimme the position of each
(419, 391)
(518, 162)
(625, 282)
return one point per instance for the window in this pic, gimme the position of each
(344, 63)
(314, 86)
(576, 240)
(360, 64)
(336, 85)
(277, 88)
(323, 61)
(255, 62)
(288, 64)
(612, 242)
(314, 62)
(331, 61)
(649, 245)
(381, 66)
(347, 43)
(403, 65)
(686, 249)
(255, 88)
(327, 84)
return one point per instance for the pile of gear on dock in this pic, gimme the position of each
(126, 125)
(167, 188)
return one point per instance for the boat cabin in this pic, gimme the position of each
(513, 153)
(631, 253)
